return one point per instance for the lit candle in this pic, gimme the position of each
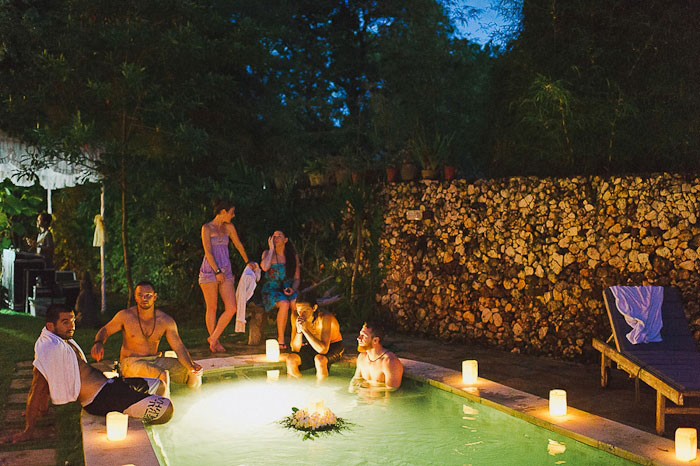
(117, 424)
(273, 376)
(272, 350)
(557, 402)
(316, 406)
(171, 354)
(686, 443)
(470, 371)
(110, 374)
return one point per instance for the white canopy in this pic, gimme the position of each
(15, 157)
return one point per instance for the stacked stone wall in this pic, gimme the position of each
(521, 263)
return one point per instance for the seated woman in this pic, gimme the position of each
(281, 289)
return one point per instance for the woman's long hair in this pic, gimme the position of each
(290, 257)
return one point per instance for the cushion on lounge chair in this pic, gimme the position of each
(675, 359)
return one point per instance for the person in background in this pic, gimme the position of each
(44, 244)
(215, 274)
(280, 263)
(87, 305)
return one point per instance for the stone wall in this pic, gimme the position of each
(521, 263)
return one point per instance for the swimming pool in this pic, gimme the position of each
(233, 419)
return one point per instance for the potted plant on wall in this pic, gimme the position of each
(314, 169)
(338, 166)
(431, 153)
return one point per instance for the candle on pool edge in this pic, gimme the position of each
(273, 376)
(470, 371)
(272, 350)
(686, 443)
(117, 425)
(557, 402)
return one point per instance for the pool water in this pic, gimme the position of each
(233, 420)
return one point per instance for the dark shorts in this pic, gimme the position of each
(307, 353)
(132, 396)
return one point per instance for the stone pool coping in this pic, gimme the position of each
(604, 434)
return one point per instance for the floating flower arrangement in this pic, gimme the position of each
(313, 424)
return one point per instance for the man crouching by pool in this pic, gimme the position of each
(62, 374)
(316, 341)
(377, 368)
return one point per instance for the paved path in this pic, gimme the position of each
(35, 453)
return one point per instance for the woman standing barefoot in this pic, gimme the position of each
(281, 265)
(215, 274)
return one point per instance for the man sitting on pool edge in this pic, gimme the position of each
(376, 367)
(61, 373)
(143, 327)
(316, 341)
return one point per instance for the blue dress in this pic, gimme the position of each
(276, 281)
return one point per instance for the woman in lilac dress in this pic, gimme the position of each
(281, 265)
(215, 274)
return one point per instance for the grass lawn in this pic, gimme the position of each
(18, 333)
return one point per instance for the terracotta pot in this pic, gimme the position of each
(429, 174)
(408, 171)
(316, 179)
(450, 172)
(391, 174)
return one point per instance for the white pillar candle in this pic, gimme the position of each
(117, 424)
(272, 350)
(110, 374)
(557, 402)
(686, 443)
(273, 376)
(470, 371)
(171, 354)
(316, 406)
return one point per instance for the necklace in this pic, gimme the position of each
(377, 358)
(154, 324)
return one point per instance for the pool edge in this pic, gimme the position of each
(610, 436)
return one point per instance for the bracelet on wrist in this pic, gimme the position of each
(218, 271)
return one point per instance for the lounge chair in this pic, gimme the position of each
(671, 367)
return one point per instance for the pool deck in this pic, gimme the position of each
(608, 418)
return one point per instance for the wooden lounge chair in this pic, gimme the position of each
(671, 367)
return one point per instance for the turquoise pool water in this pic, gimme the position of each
(233, 420)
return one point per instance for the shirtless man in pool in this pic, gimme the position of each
(376, 367)
(316, 341)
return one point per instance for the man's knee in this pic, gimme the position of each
(293, 360)
(320, 360)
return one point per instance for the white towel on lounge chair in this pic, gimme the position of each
(58, 363)
(246, 287)
(641, 306)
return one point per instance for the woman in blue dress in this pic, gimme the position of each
(281, 266)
